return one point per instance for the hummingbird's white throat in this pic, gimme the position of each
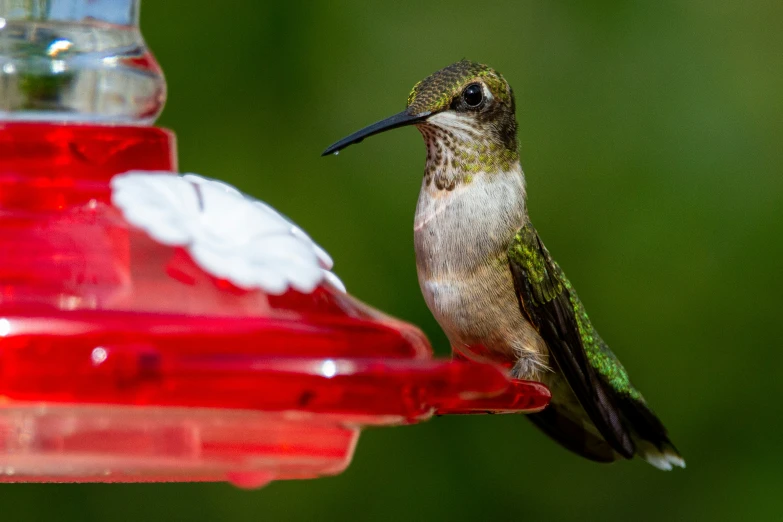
(461, 147)
(461, 126)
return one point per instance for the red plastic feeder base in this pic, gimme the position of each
(123, 360)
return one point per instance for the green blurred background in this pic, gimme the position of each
(651, 138)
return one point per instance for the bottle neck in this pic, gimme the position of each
(79, 61)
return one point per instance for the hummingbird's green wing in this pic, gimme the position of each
(593, 372)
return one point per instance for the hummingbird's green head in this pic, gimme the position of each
(466, 114)
(465, 87)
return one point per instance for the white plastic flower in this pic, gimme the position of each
(228, 234)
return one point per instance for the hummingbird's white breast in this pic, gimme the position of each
(461, 237)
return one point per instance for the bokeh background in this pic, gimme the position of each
(651, 137)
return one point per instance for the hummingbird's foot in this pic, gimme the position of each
(529, 367)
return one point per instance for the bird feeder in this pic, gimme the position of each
(165, 327)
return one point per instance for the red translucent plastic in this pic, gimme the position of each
(122, 360)
(56, 443)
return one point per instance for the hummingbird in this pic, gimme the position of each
(491, 283)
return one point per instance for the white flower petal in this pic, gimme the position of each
(282, 249)
(302, 276)
(334, 280)
(324, 259)
(228, 234)
(211, 183)
(211, 260)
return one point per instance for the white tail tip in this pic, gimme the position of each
(665, 460)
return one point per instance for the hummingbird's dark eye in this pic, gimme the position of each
(473, 95)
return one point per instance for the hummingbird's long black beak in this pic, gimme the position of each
(398, 120)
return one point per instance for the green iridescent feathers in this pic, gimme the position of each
(547, 283)
(599, 354)
(436, 92)
(524, 251)
(595, 376)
